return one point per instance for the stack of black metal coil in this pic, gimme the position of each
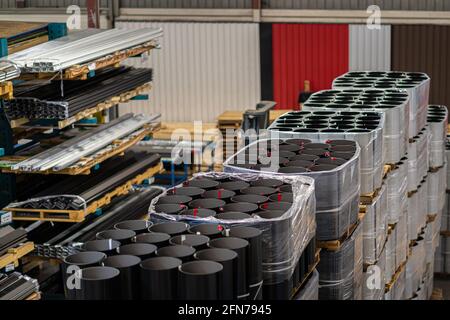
(177, 260)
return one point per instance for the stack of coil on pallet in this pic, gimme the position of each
(365, 126)
(413, 183)
(442, 257)
(216, 237)
(330, 163)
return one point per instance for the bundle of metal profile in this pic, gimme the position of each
(364, 127)
(16, 286)
(129, 207)
(417, 84)
(271, 213)
(81, 48)
(10, 237)
(56, 101)
(334, 166)
(8, 71)
(71, 151)
(437, 124)
(393, 102)
(76, 192)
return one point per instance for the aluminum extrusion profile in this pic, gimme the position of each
(69, 152)
(74, 192)
(69, 51)
(8, 71)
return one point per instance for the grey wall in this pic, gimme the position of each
(427, 5)
(48, 3)
(218, 4)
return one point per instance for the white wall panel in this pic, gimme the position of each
(201, 70)
(370, 49)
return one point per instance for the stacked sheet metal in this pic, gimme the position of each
(16, 286)
(417, 84)
(80, 48)
(75, 192)
(55, 100)
(66, 154)
(394, 103)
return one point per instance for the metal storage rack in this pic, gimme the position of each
(82, 71)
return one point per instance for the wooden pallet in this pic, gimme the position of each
(431, 217)
(368, 198)
(411, 193)
(437, 294)
(23, 214)
(442, 275)
(34, 297)
(435, 169)
(395, 277)
(209, 131)
(335, 245)
(311, 269)
(81, 72)
(234, 118)
(445, 233)
(84, 165)
(14, 254)
(387, 169)
(122, 98)
(6, 90)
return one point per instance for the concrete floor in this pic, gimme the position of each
(443, 284)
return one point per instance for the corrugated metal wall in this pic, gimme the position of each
(222, 4)
(315, 52)
(202, 70)
(370, 49)
(424, 49)
(428, 5)
(49, 3)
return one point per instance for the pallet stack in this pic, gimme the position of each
(228, 123)
(412, 208)
(442, 257)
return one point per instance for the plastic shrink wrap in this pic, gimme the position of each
(364, 127)
(341, 271)
(396, 191)
(375, 228)
(284, 238)
(374, 281)
(437, 125)
(337, 189)
(418, 159)
(311, 289)
(416, 84)
(394, 103)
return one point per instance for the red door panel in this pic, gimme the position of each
(315, 52)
